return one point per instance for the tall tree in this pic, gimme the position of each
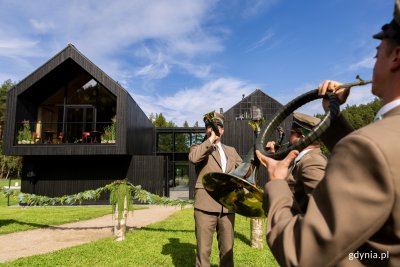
(165, 140)
(9, 165)
(160, 121)
(358, 115)
(361, 115)
(5, 87)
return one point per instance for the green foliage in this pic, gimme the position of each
(6, 182)
(160, 121)
(135, 191)
(357, 115)
(167, 243)
(10, 166)
(182, 142)
(118, 193)
(5, 87)
(360, 115)
(25, 133)
(110, 132)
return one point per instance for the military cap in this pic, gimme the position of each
(217, 118)
(392, 29)
(304, 122)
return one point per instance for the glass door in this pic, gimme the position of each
(78, 119)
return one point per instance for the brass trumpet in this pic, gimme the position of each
(238, 191)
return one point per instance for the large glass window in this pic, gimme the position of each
(182, 142)
(81, 105)
(165, 142)
(197, 138)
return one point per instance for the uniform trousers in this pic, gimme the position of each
(205, 225)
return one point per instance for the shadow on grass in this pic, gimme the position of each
(182, 254)
(159, 229)
(243, 238)
(11, 221)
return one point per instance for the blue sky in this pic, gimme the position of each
(184, 58)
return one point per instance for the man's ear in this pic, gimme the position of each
(395, 59)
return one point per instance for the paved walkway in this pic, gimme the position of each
(41, 241)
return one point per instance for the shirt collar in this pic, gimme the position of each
(302, 153)
(386, 108)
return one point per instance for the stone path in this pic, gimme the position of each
(41, 241)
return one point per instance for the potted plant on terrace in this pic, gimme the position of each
(24, 134)
(110, 132)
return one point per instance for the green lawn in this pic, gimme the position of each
(4, 182)
(14, 219)
(168, 243)
(3, 199)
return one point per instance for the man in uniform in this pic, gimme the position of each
(353, 215)
(308, 168)
(209, 215)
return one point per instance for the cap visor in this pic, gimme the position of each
(380, 35)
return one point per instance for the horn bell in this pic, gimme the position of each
(235, 193)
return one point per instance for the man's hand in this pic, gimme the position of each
(329, 85)
(277, 169)
(212, 136)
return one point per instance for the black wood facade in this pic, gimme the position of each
(57, 105)
(54, 176)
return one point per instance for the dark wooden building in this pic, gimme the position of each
(78, 129)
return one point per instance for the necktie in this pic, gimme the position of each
(223, 157)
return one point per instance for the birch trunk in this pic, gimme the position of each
(120, 224)
(256, 232)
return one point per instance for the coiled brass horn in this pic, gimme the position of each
(237, 191)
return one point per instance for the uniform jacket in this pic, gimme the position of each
(305, 176)
(354, 210)
(206, 159)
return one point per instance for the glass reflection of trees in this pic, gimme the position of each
(182, 142)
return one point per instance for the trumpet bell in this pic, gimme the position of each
(235, 193)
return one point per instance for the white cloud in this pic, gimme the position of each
(365, 63)
(260, 42)
(103, 30)
(254, 7)
(190, 104)
(42, 26)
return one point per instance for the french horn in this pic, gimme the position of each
(237, 191)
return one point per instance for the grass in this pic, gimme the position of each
(14, 219)
(168, 243)
(4, 182)
(3, 199)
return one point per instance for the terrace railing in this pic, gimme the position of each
(55, 133)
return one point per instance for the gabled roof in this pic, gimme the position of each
(65, 56)
(258, 98)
